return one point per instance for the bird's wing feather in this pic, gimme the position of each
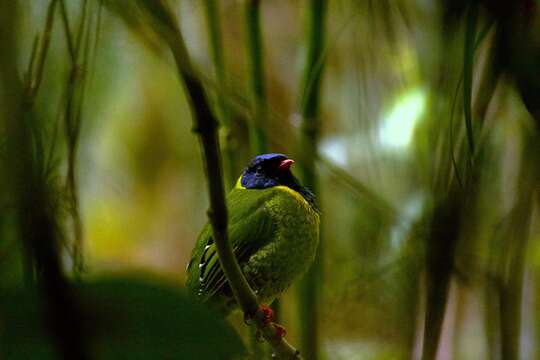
(250, 227)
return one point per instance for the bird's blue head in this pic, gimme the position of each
(267, 170)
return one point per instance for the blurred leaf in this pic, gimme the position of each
(137, 21)
(127, 318)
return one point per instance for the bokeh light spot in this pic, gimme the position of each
(397, 125)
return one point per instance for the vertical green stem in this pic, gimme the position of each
(309, 287)
(257, 136)
(468, 62)
(439, 259)
(78, 49)
(33, 196)
(224, 112)
(35, 81)
(515, 251)
(491, 299)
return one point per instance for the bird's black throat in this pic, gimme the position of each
(293, 183)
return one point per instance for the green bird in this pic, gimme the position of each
(273, 230)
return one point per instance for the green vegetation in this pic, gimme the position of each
(417, 124)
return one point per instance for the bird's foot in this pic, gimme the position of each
(264, 313)
(266, 316)
(280, 330)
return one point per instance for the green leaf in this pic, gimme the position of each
(125, 318)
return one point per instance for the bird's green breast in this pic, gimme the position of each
(292, 248)
(274, 233)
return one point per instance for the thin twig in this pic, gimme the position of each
(67, 31)
(37, 73)
(468, 63)
(31, 62)
(74, 96)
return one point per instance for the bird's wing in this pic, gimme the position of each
(250, 227)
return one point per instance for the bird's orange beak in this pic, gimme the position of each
(286, 164)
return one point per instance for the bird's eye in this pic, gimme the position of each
(258, 171)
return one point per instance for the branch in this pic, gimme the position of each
(205, 126)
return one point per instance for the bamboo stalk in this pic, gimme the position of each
(35, 81)
(36, 217)
(75, 87)
(34, 77)
(441, 244)
(446, 218)
(515, 250)
(224, 113)
(468, 63)
(309, 289)
(258, 139)
(259, 115)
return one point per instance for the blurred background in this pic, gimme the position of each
(416, 122)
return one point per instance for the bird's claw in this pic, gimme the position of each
(280, 330)
(266, 314)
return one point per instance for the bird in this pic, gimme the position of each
(274, 232)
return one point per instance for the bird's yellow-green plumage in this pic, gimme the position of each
(274, 232)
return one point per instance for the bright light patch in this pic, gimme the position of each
(334, 149)
(398, 123)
